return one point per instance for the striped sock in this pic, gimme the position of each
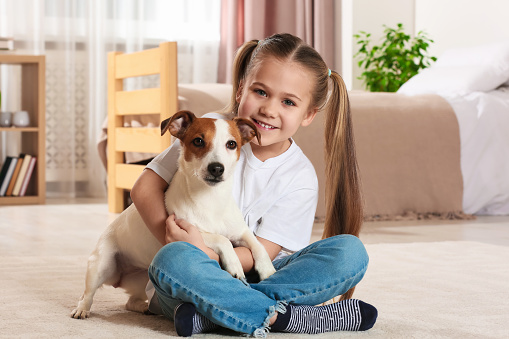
(189, 322)
(346, 315)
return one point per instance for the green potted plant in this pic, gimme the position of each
(398, 58)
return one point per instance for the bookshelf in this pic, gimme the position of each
(33, 138)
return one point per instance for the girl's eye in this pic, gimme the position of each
(231, 144)
(198, 142)
(288, 102)
(260, 92)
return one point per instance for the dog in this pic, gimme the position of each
(201, 193)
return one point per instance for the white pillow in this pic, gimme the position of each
(496, 54)
(463, 70)
(458, 80)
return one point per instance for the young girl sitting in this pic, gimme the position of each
(280, 83)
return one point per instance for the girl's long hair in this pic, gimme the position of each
(344, 210)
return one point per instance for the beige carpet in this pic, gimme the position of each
(422, 290)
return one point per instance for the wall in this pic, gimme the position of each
(370, 16)
(450, 23)
(459, 23)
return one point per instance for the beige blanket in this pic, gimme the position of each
(408, 151)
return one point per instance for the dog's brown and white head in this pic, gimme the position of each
(210, 147)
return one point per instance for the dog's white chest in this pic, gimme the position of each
(212, 210)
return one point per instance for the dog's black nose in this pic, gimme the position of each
(216, 169)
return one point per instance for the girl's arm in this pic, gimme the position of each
(246, 257)
(148, 197)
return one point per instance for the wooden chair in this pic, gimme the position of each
(162, 101)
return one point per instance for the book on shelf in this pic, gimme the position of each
(6, 173)
(22, 173)
(28, 176)
(15, 175)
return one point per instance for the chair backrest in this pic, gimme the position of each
(162, 101)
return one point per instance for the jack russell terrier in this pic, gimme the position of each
(201, 193)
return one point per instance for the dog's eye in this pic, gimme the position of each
(231, 144)
(198, 142)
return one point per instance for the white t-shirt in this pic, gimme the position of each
(277, 197)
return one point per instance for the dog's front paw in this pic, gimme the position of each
(234, 267)
(265, 270)
(80, 313)
(237, 273)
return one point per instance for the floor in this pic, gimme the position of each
(72, 227)
(56, 234)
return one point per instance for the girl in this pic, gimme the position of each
(280, 84)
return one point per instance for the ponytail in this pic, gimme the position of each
(343, 201)
(240, 64)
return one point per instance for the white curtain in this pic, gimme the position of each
(75, 36)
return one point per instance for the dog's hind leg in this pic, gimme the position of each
(134, 283)
(102, 268)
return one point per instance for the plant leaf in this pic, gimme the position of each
(396, 59)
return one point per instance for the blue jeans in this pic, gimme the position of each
(181, 272)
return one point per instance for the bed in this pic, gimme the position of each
(421, 153)
(475, 83)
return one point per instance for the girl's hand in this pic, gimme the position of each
(181, 230)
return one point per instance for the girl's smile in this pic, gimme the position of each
(262, 125)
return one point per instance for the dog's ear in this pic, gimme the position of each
(247, 130)
(178, 123)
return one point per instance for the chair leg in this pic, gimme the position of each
(127, 198)
(115, 200)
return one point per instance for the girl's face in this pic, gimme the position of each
(276, 96)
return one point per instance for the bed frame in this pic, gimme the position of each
(162, 101)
